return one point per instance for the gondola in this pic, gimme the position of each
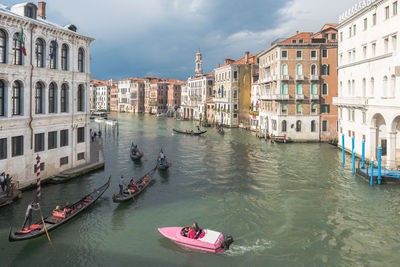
(189, 132)
(52, 221)
(126, 195)
(220, 130)
(135, 156)
(163, 164)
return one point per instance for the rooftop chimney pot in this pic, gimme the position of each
(42, 10)
(297, 32)
(246, 57)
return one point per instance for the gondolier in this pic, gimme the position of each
(121, 185)
(28, 214)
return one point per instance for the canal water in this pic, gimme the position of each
(285, 205)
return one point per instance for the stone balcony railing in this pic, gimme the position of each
(285, 77)
(299, 77)
(314, 97)
(299, 97)
(350, 101)
(314, 77)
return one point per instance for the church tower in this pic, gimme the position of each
(199, 64)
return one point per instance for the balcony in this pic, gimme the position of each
(282, 97)
(285, 78)
(314, 77)
(350, 101)
(299, 77)
(299, 97)
(274, 78)
(267, 97)
(314, 97)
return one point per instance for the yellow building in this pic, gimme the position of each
(232, 88)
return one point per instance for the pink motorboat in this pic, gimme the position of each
(208, 240)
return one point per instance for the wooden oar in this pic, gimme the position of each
(44, 226)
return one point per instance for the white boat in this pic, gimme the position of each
(161, 115)
(99, 119)
(111, 122)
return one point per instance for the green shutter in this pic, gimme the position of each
(299, 89)
(313, 89)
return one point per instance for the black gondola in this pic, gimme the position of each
(135, 154)
(189, 132)
(52, 222)
(163, 164)
(126, 195)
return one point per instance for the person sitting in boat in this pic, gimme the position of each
(191, 233)
(66, 208)
(132, 187)
(145, 180)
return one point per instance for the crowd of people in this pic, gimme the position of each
(5, 183)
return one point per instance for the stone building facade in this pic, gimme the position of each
(368, 78)
(44, 103)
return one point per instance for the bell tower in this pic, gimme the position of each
(199, 64)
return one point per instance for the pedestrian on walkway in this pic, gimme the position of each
(2, 181)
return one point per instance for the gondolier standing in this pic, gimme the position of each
(28, 214)
(161, 156)
(121, 185)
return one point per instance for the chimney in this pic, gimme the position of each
(297, 32)
(246, 57)
(42, 10)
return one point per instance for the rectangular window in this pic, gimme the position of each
(334, 36)
(17, 146)
(373, 46)
(326, 36)
(81, 156)
(299, 54)
(387, 16)
(394, 42)
(341, 37)
(313, 54)
(313, 108)
(324, 108)
(324, 126)
(324, 53)
(325, 89)
(81, 134)
(364, 51)
(52, 140)
(364, 114)
(301, 41)
(354, 30)
(349, 32)
(3, 148)
(294, 41)
(41, 167)
(386, 44)
(365, 24)
(284, 109)
(352, 115)
(39, 142)
(395, 8)
(235, 75)
(284, 54)
(235, 94)
(63, 161)
(298, 109)
(374, 19)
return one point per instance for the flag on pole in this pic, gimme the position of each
(21, 40)
(53, 52)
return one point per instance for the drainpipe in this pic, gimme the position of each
(31, 85)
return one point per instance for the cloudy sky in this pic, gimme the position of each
(160, 37)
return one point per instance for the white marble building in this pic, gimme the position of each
(369, 69)
(44, 95)
(102, 96)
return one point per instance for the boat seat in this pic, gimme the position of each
(53, 220)
(210, 236)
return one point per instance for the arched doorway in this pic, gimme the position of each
(393, 158)
(378, 137)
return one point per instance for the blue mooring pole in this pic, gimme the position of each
(343, 161)
(363, 155)
(353, 156)
(372, 173)
(379, 164)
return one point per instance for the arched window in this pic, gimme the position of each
(364, 88)
(53, 55)
(284, 69)
(313, 126)
(325, 88)
(16, 98)
(81, 98)
(17, 50)
(64, 57)
(298, 126)
(385, 86)
(284, 88)
(64, 98)
(3, 46)
(392, 86)
(39, 53)
(299, 69)
(284, 126)
(314, 89)
(299, 89)
(313, 69)
(2, 98)
(39, 98)
(325, 69)
(52, 98)
(81, 60)
(372, 87)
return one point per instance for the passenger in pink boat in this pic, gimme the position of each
(191, 233)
